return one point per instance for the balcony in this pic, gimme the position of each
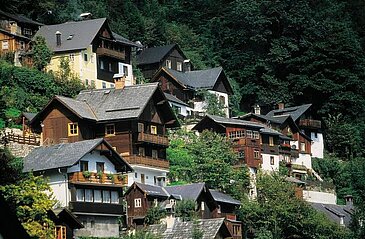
(153, 139)
(102, 51)
(309, 123)
(148, 161)
(91, 207)
(98, 178)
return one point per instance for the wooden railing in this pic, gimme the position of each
(153, 138)
(310, 123)
(31, 140)
(97, 178)
(148, 161)
(111, 53)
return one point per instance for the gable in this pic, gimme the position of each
(222, 85)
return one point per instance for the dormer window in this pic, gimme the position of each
(179, 66)
(153, 129)
(73, 129)
(168, 64)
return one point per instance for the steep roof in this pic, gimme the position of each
(154, 54)
(66, 155)
(225, 198)
(20, 18)
(227, 121)
(210, 228)
(124, 40)
(29, 116)
(153, 190)
(335, 212)
(187, 192)
(295, 112)
(270, 131)
(173, 98)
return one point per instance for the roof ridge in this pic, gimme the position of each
(73, 22)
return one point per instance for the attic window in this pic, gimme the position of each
(70, 37)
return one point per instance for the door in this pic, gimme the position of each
(142, 178)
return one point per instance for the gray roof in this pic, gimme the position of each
(116, 104)
(20, 18)
(58, 156)
(187, 192)
(223, 120)
(335, 212)
(271, 119)
(29, 116)
(82, 32)
(174, 99)
(202, 79)
(66, 155)
(295, 112)
(124, 40)
(153, 54)
(294, 180)
(153, 190)
(81, 108)
(271, 131)
(184, 230)
(225, 198)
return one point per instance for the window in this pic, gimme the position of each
(153, 129)
(103, 85)
(72, 57)
(110, 66)
(99, 167)
(256, 154)
(249, 134)
(80, 196)
(84, 166)
(86, 82)
(106, 196)
(85, 57)
(302, 146)
(271, 141)
(92, 224)
(136, 175)
(141, 151)
(202, 206)
(219, 209)
(92, 59)
(97, 196)
(137, 202)
(111, 85)
(222, 100)
(155, 202)
(179, 66)
(89, 195)
(114, 197)
(236, 134)
(154, 153)
(125, 70)
(60, 232)
(272, 160)
(140, 127)
(110, 129)
(27, 32)
(22, 45)
(168, 64)
(102, 66)
(5, 45)
(73, 129)
(172, 201)
(241, 154)
(315, 135)
(256, 135)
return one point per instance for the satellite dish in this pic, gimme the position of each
(293, 146)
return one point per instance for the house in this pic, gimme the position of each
(16, 32)
(189, 87)
(133, 119)
(209, 203)
(65, 223)
(87, 177)
(150, 60)
(209, 228)
(94, 52)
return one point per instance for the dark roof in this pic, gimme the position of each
(294, 180)
(225, 198)
(81, 108)
(270, 131)
(202, 79)
(335, 212)
(14, 34)
(29, 116)
(20, 18)
(66, 155)
(174, 99)
(153, 190)
(65, 216)
(187, 192)
(154, 54)
(295, 112)
(210, 228)
(125, 41)
(82, 32)
(265, 118)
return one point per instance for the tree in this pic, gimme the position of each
(212, 103)
(154, 215)
(41, 53)
(185, 210)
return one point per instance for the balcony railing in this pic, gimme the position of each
(112, 53)
(316, 124)
(99, 178)
(31, 140)
(148, 161)
(90, 207)
(153, 138)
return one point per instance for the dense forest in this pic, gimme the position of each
(289, 51)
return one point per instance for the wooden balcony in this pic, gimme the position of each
(309, 123)
(148, 161)
(111, 53)
(30, 140)
(99, 179)
(90, 207)
(153, 139)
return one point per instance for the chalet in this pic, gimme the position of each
(95, 53)
(16, 32)
(188, 87)
(87, 178)
(65, 223)
(133, 119)
(210, 229)
(150, 60)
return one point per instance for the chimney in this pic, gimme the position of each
(119, 81)
(58, 38)
(187, 65)
(85, 16)
(170, 222)
(257, 109)
(281, 106)
(349, 200)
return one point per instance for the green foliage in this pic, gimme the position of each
(11, 167)
(212, 105)
(41, 54)
(197, 233)
(185, 210)
(154, 215)
(31, 198)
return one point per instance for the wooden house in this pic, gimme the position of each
(150, 60)
(16, 32)
(133, 119)
(87, 177)
(93, 51)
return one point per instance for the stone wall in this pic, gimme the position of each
(98, 226)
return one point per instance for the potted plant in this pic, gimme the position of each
(86, 174)
(121, 178)
(99, 175)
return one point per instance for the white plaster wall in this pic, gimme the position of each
(319, 197)
(150, 174)
(129, 78)
(59, 187)
(266, 165)
(226, 102)
(92, 158)
(294, 142)
(98, 226)
(304, 159)
(317, 146)
(253, 190)
(184, 108)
